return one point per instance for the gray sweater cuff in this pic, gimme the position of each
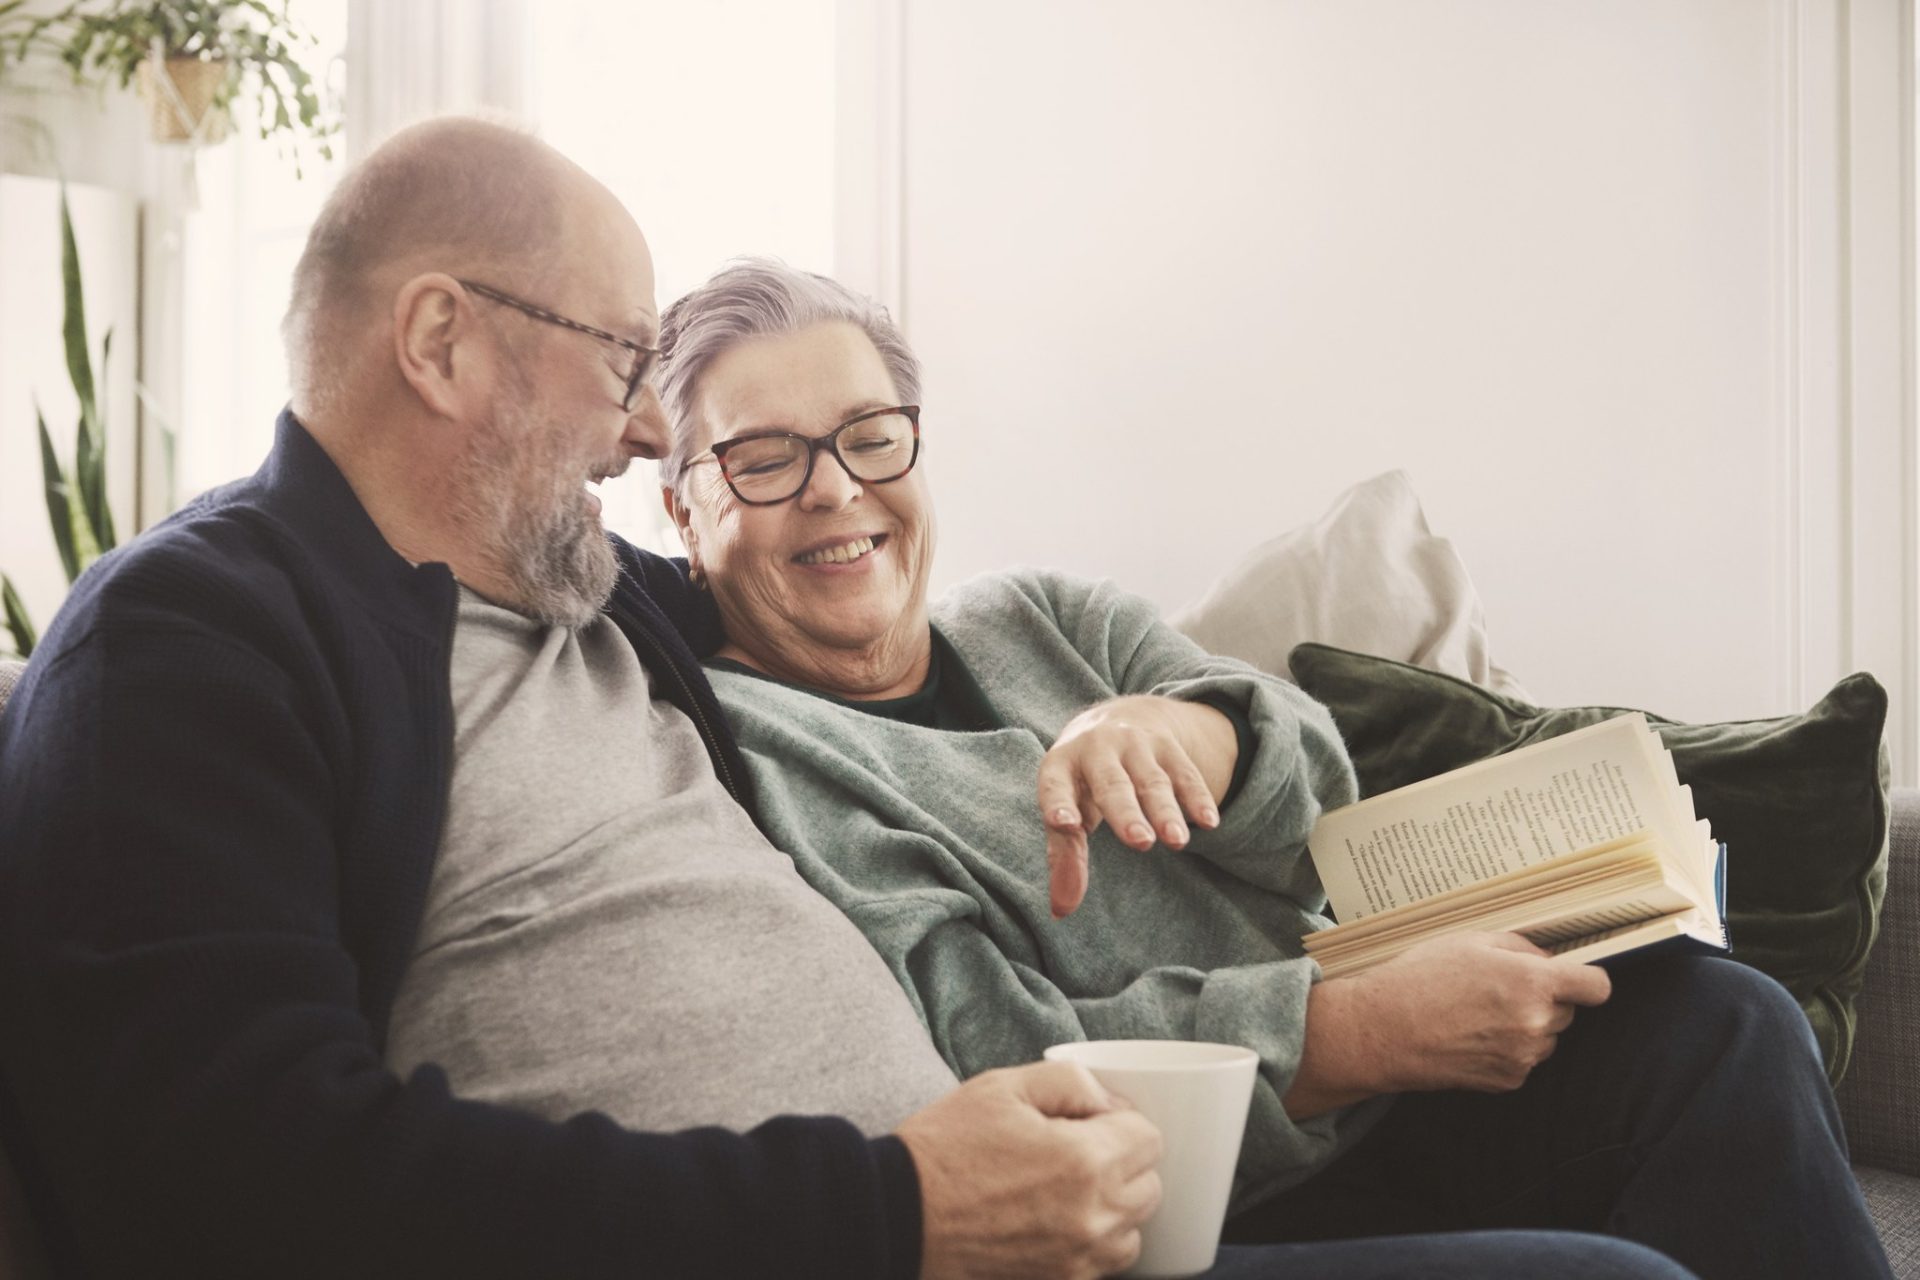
(1264, 1007)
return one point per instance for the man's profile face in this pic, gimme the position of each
(557, 424)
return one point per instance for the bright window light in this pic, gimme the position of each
(714, 124)
(237, 259)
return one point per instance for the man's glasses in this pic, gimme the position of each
(643, 357)
(771, 466)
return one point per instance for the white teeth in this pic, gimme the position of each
(845, 553)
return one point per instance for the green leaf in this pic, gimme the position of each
(169, 469)
(59, 502)
(93, 524)
(74, 325)
(84, 470)
(162, 431)
(19, 625)
(90, 467)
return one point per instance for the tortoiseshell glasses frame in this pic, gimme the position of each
(644, 358)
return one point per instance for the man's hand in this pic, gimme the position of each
(1139, 763)
(1467, 1011)
(1032, 1171)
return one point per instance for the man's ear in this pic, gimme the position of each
(435, 344)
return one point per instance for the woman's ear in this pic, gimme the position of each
(435, 344)
(682, 517)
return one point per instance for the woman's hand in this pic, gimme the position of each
(1141, 763)
(1462, 1011)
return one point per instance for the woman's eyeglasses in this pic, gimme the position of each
(771, 466)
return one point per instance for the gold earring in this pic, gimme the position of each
(697, 576)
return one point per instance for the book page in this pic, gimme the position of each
(1493, 817)
(1566, 912)
(1616, 862)
(1633, 937)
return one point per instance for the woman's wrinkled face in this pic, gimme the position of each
(836, 576)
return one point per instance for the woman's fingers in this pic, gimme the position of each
(1111, 785)
(1190, 786)
(1066, 871)
(1153, 789)
(1131, 771)
(1090, 815)
(1150, 792)
(1145, 799)
(1062, 812)
(1059, 792)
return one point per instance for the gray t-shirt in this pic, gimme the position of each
(606, 929)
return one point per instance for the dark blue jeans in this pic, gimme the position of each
(1689, 1114)
(1459, 1255)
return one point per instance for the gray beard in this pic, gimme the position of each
(526, 505)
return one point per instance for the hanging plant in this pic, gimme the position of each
(192, 61)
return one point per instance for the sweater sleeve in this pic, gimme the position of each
(191, 1082)
(947, 881)
(987, 1009)
(1300, 766)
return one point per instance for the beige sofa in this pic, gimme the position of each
(1879, 1100)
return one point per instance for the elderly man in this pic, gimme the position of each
(376, 896)
(347, 757)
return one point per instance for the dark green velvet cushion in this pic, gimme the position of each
(1801, 802)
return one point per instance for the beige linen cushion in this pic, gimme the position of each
(1368, 576)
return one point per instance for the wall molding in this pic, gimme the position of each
(1785, 185)
(1878, 227)
(1845, 471)
(870, 179)
(1808, 402)
(1846, 566)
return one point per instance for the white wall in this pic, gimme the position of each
(1181, 273)
(731, 153)
(1626, 284)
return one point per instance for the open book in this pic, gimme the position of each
(1586, 844)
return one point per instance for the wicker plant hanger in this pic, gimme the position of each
(183, 113)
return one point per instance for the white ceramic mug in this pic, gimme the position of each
(1197, 1095)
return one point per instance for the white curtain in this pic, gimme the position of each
(409, 59)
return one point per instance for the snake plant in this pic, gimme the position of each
(77, 493)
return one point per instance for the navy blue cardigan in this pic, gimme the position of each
(222, 784)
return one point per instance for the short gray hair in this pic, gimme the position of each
(752, 298)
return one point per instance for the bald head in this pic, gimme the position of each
(458, 195)
(463, 340)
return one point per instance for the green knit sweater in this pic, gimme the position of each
(931, 842)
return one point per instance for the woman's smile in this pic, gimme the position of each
(842, 553)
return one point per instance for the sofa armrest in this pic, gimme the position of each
(1880, 1097)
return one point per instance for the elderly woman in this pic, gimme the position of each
(898, 751)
